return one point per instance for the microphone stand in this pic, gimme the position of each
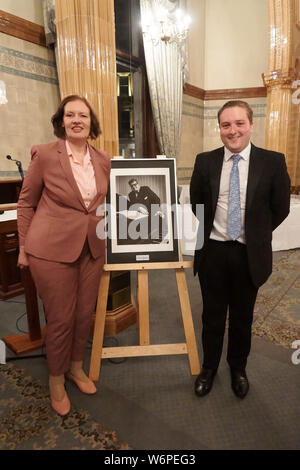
(19, 165)
(20, 169)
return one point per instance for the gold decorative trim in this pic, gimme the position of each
(22, 29)
(278, 78)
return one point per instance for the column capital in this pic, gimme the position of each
(279, 78)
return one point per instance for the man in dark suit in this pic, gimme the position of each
(245, 191)
(142, 199)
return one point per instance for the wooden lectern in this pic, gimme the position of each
(14, 281)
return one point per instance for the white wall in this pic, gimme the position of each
(196, 42)
(236, 43)
(30, 10)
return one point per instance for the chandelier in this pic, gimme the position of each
(166, 27)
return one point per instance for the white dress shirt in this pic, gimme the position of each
(219, 230)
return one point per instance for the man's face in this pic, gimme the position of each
(135, 186)
(235, 129)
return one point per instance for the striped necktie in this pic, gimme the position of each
(234, 220)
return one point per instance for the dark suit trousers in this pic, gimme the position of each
(69, 294)
(226, 286)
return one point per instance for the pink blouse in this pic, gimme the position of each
(84, 175)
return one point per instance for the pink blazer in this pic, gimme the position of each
(53, 222)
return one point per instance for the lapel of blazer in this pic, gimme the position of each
(65, 163)
(99, 176)
(256, 165)
(215, 170)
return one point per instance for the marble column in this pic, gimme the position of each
(283, 114)
(87, 61)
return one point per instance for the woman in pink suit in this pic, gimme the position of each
(65, 184)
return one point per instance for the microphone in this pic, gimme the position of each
(18, 163)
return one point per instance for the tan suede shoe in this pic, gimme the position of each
(85, 387)
(62, 407)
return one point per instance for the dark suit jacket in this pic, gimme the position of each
(145, 197)
(53, 222)
(267, 203)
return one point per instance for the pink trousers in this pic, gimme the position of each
(69, 294)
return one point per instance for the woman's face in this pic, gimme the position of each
(77, 120)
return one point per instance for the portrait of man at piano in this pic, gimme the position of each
(141, 217)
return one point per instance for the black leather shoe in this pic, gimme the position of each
(239, 382)
(204, 382)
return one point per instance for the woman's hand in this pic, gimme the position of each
(22, 259)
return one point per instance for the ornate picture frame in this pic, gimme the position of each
(141, 211)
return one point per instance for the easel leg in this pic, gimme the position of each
(187, 321)
(143, 302)
(99, 326)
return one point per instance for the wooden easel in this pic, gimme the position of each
(144, 348)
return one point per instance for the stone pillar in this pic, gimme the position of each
(87, 61)
(282, 113)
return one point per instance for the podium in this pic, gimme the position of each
(14, 281)
(10, 277)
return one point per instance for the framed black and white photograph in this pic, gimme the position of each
(142, 211)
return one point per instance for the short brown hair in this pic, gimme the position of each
(240, 104)
(58, 116)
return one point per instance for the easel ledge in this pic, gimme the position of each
(11, 206)
(147, 266)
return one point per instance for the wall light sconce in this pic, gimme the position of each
(3, 99)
